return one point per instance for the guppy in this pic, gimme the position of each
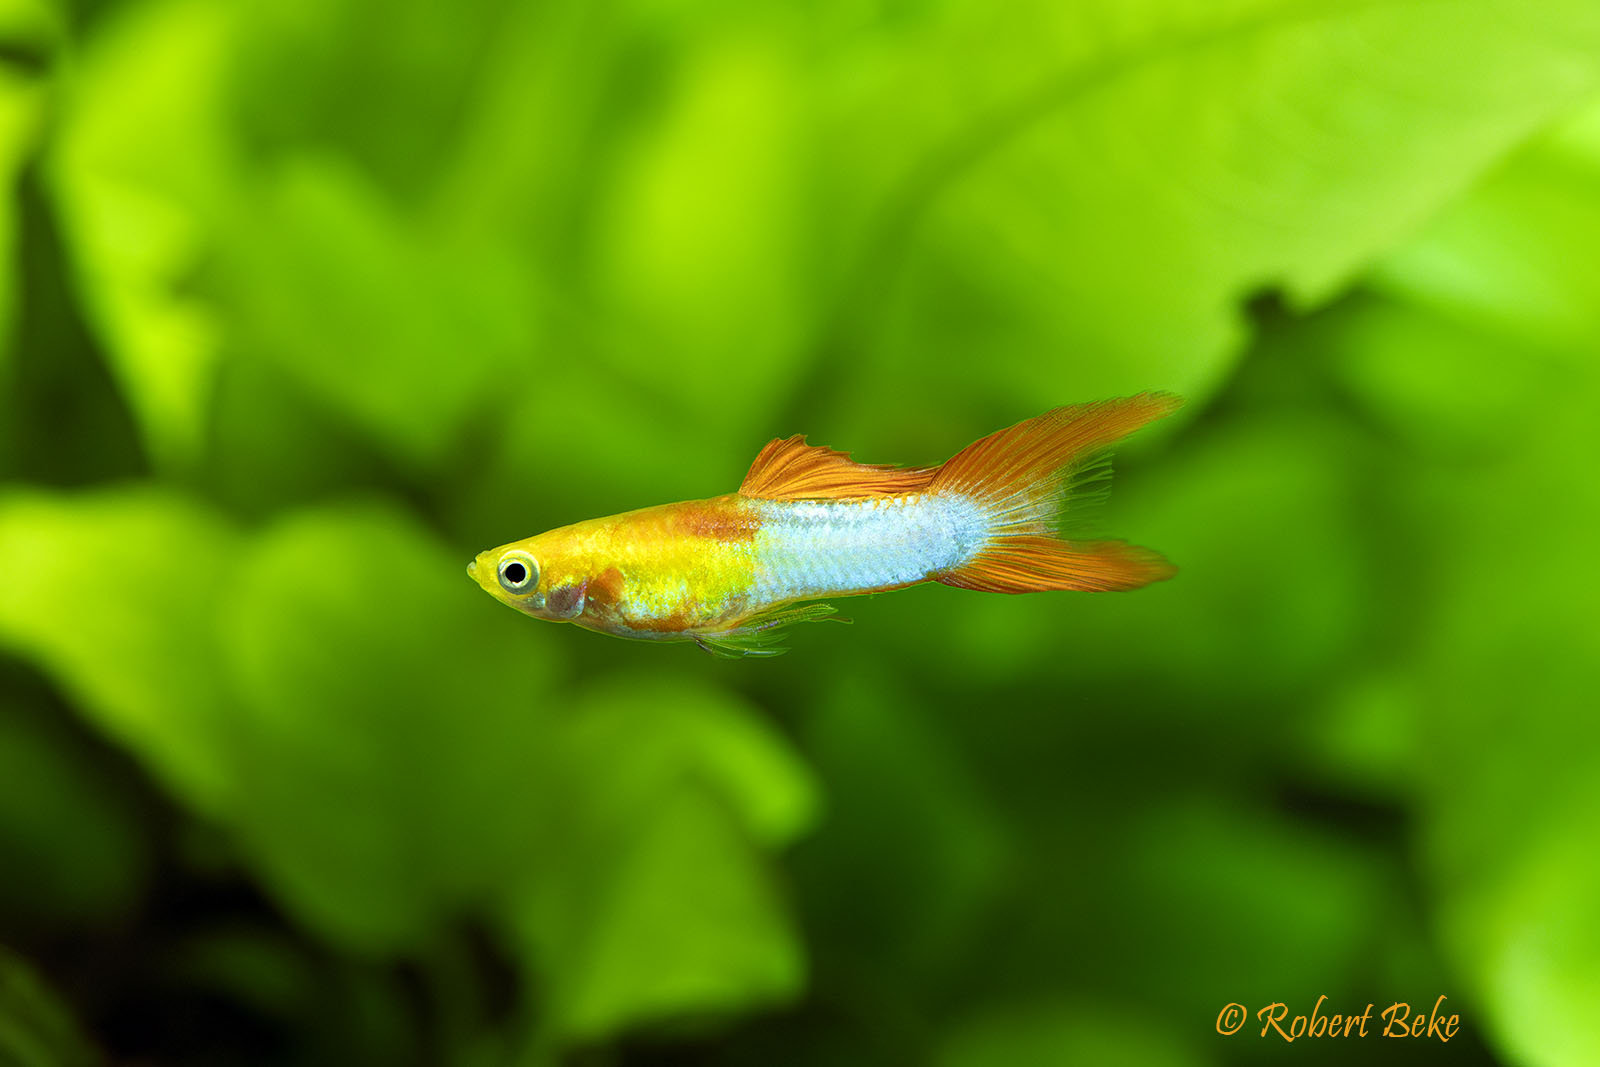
(809, 523)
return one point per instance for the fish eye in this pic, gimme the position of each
(519, 573)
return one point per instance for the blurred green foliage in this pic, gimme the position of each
(304, 302)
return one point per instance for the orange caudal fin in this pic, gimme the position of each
(1036, 564)
(1025, 476)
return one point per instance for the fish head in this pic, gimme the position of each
(531, 576)
(512, 574)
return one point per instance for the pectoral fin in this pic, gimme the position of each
(759, 635)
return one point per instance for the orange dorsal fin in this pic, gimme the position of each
(790, 469)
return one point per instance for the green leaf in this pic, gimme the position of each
(27, 29)
(687, 923)
(36, 1030)
(1500, 263)
(113, 594)
(1511, 663)
(1091, 223)
(199, 234)
(363, 308)
(654, 901)
(138, 169)
(705, 200)
(1506, 652)
(1525, 927)
(391, 743)
(654, 734)
(1439, 383)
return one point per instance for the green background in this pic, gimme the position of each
(306, 302)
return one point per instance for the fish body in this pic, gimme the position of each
(808, 523)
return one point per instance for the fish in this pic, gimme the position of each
(809, 524)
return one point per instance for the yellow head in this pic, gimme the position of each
(511, 574)
(521, 575)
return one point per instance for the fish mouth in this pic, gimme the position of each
(472, 570)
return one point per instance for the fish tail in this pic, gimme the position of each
(1024, 478)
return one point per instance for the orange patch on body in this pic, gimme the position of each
(607, 587)
(675, 624)
(720, 519)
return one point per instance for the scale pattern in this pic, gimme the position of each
(815, 548)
